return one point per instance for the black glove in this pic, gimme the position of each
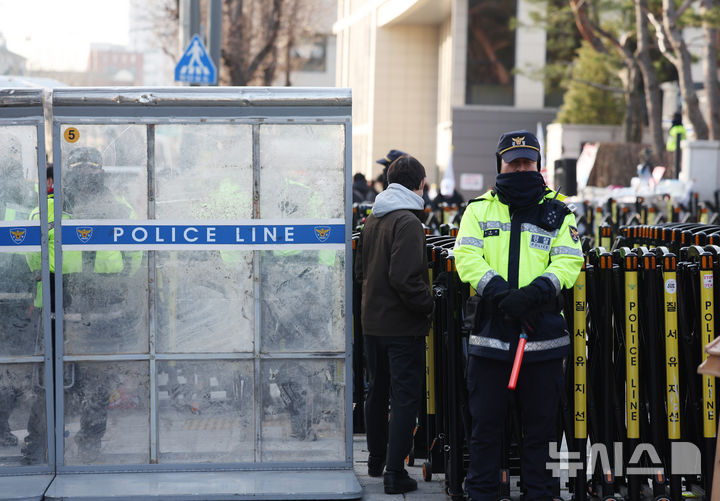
(520, 302)
(496, 289)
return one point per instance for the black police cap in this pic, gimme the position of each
(390, 157)
(518, 144)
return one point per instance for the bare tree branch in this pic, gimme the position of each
(608, 88)
(584, 25)
(681, 10)
(662, 39)
(683, 62)
(274, 26)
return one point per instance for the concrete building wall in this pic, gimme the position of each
(405, 61)
(476, 130)
(529, 56)
(443, 132)
(406, 91)
(356, 69)
(459, 20)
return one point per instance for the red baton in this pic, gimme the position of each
(518, 360)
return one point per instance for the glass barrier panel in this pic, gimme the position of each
(302, 171)
(104, 172)
(23, 430)
(206, 411)
(205, 301)
(203, 172)
(302, 300)
(107, 412)
(303, 403)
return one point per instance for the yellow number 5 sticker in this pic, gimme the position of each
(71, 134)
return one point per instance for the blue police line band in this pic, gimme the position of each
(181, 234)
(20, 236)
(195, 234)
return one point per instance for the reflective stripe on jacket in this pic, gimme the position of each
(489, 243)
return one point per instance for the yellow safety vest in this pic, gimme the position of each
(675, 130)
(491, 243)
(110, 261)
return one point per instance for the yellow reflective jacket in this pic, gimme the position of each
(673, 133)
(491, 243)
(105, 262)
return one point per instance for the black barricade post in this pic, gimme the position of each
(689, 331)
(357, 361)
(430, 425)
(436, 428)
(651, 359)
(705, 284)
(606, 428)
(455, 471)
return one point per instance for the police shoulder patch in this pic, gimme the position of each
(574, 234)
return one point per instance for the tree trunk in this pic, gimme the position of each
(710, 70)
(633, 123)
(591, 32)
(653, 98)
(682, 61)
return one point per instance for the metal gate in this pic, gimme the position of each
(200, 324)
(25, 334)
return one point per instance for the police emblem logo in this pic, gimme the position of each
(574, 234)
(17, 235)
(518, 141)
(84, 234)
(322, 233)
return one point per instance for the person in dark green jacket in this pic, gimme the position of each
(518, 246)
(391, 263)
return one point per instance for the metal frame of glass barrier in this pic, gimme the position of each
(258, 109)
(23, 108)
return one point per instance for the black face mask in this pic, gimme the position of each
(520, 189)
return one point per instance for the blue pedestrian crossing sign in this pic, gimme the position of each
(195, 65)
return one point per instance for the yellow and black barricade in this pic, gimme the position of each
(672, 360)
(579, 380)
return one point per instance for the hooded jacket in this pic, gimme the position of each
(391, 264)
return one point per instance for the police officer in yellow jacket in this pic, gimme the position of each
(518, 245)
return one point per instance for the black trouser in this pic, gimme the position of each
(395, 371)
(539, 386)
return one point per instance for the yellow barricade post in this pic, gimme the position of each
(707, 322)
(672, 372)
(580, 415)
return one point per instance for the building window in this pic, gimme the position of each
(491, 52)
(309, 54)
